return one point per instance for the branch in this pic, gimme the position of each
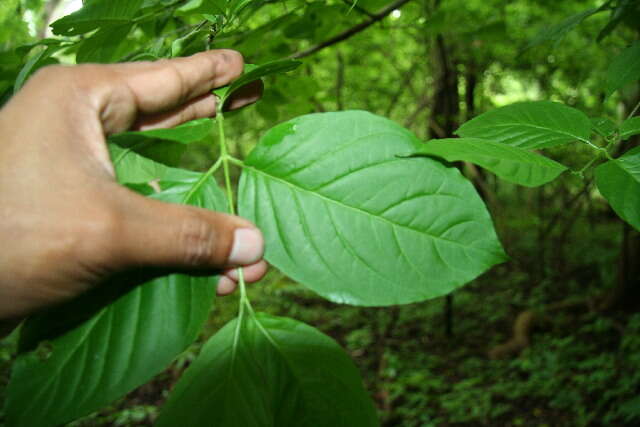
(351, 31)
(351, 4)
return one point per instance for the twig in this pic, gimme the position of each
(351, 31)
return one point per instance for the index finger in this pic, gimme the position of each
(166, 84)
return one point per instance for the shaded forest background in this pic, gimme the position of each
(550, 338)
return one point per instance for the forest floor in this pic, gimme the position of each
(580, 368)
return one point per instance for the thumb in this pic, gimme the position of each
(158, 234)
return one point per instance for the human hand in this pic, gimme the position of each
(65, 224)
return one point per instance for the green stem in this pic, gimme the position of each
(224, 155)
(580, 172)
(202, 180)
(226, 159)
(600, 150)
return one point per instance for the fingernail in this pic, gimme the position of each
(248, 246)
(225, 286)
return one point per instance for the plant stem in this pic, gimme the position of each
(224, 155)
(634, 111)
(226, 158)
(600, 150)
(202, 180)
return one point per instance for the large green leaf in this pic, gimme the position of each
(619, 182)
(624, 69)
(256, 72)
(113, 339)
(164, 145)
(343, 214)
(537, 124)
(512, 164)
(97, 14)
(630, 127)
(269, 371)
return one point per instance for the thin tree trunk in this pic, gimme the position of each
(49, 8)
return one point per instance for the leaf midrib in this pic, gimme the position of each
(529, 125)
(359, 210)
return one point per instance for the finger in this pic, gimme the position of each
(203, 106)
(166, 84)
(246, 95)
(250, 273)
(200, 107)
(157, 234)
(226, 286)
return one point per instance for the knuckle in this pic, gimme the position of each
(176, 76)
(224, 62)
(197, 240)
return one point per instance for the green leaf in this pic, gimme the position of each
(211, 7)
(35, 62)
(512, 164)
(557, 32)
(624, 69)
(118, 336)
(619, 182)
(97, 14)
(623, 10)
(604, 126)
(630, 127)
(532, 125)
(236, 6)
(164, 145)
(183, 44)
(269, 371)
(343, 214)
(133, 169)
(256, 72)
(105, 46)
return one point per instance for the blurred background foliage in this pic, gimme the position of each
(551, 338)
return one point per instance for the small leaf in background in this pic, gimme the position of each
(256, 72)
(512, 164)
(620, 11)
(37, 61)
(624, 69)
(210, 7)
(97, 14)
(116, 337)
(269, 371)
(630, 127)
(619, 182)
(164, 145)
(531, 125)
(344, 215)
(604, 126)
(557, 32)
